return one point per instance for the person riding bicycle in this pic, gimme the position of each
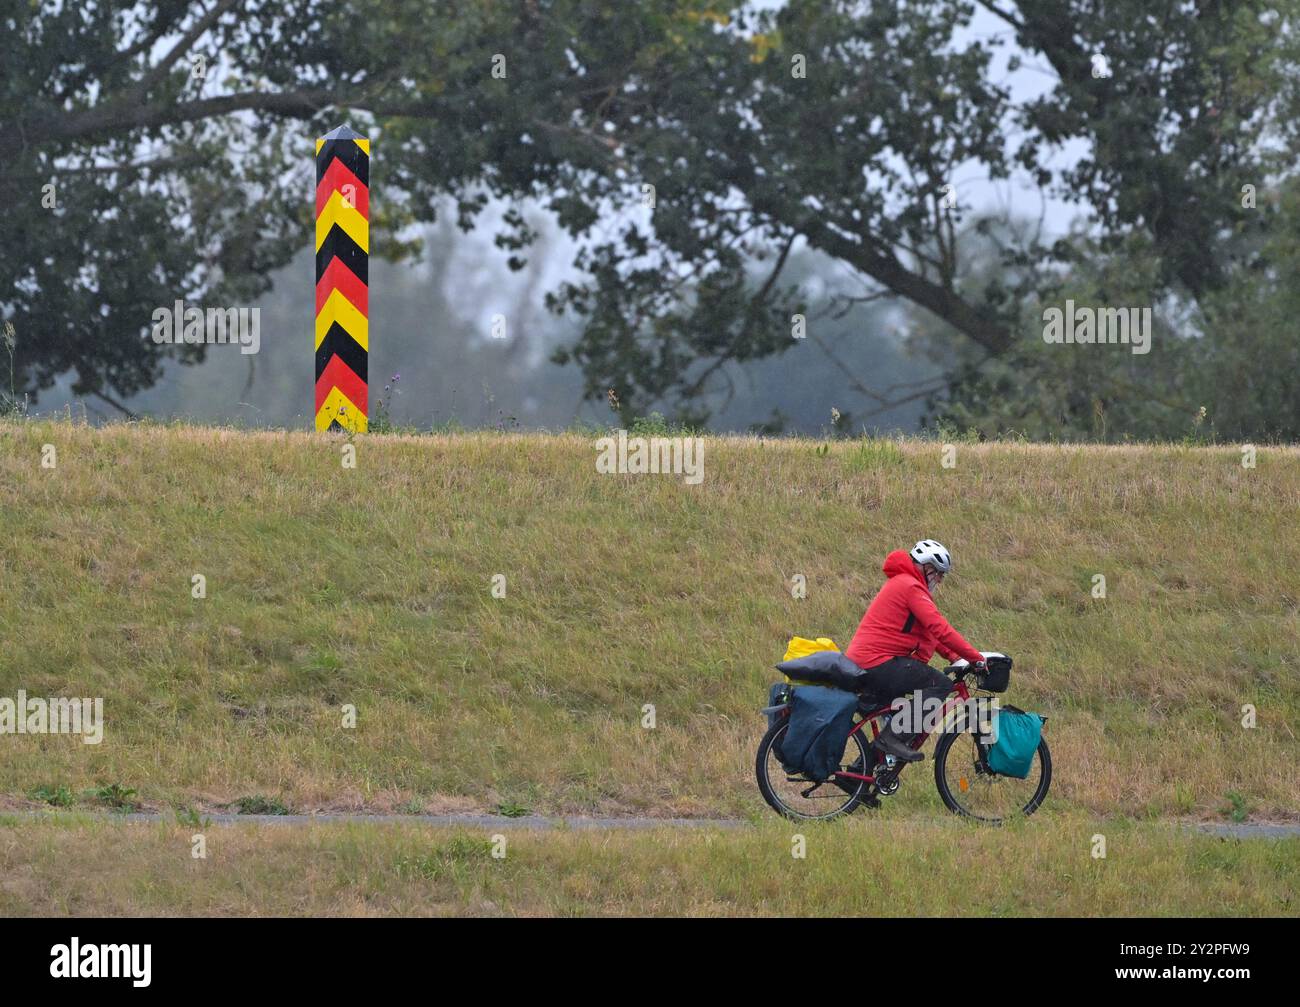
(899, 633)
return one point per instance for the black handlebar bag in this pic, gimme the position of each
(998, 675)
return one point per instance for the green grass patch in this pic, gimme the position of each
(915, 866)
(57, 795)
(372, 589)
(259, 804)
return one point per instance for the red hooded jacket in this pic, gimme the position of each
(902, 621)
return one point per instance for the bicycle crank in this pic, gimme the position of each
(887, 781)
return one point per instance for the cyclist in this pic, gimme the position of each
(901, 630)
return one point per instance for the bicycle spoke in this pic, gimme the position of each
(982, 794)
(802, 797)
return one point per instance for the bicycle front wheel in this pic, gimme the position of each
(968, 788)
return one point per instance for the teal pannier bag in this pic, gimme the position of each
(1018, 736)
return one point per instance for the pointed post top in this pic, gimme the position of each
(344, 132)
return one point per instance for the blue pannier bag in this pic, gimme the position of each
(1018, 736)
(820, 719)
(777, 698)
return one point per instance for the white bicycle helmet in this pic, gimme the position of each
(932, 552)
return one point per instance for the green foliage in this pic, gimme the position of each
(427, 866)
(948, 431)
(58, 795)
(1236, 808)
(1163, 200)
(452, 858)
(869, 455)
(1244, 372)
(1219, 367)
(191, 817)
(259, 804)
(751, 163)
(466, 848)
(117, 797)
(1050, 391)
(512, 809)
(654, 425)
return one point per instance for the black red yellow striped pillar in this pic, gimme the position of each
(342, 280)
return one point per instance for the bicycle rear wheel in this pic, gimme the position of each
(969, 788)
(794, 795)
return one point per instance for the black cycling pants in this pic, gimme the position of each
(900, 677)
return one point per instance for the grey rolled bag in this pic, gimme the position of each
(825, 667)
(821, 712)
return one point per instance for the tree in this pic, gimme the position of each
(854, 158)
(161, 151)
(826, 124)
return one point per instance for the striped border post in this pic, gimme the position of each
(342, 280)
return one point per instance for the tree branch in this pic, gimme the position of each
(199, 29)
(115, 404)
(989, 332)
(124, 115)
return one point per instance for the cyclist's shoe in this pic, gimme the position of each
(891, 743)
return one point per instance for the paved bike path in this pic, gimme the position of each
(1242, 830)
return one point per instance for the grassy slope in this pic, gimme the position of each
(862, 867)
(371, 586)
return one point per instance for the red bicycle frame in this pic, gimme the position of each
(960, 694)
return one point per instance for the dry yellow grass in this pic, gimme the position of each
(371, 587)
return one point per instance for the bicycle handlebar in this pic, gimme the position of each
(958, 671)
